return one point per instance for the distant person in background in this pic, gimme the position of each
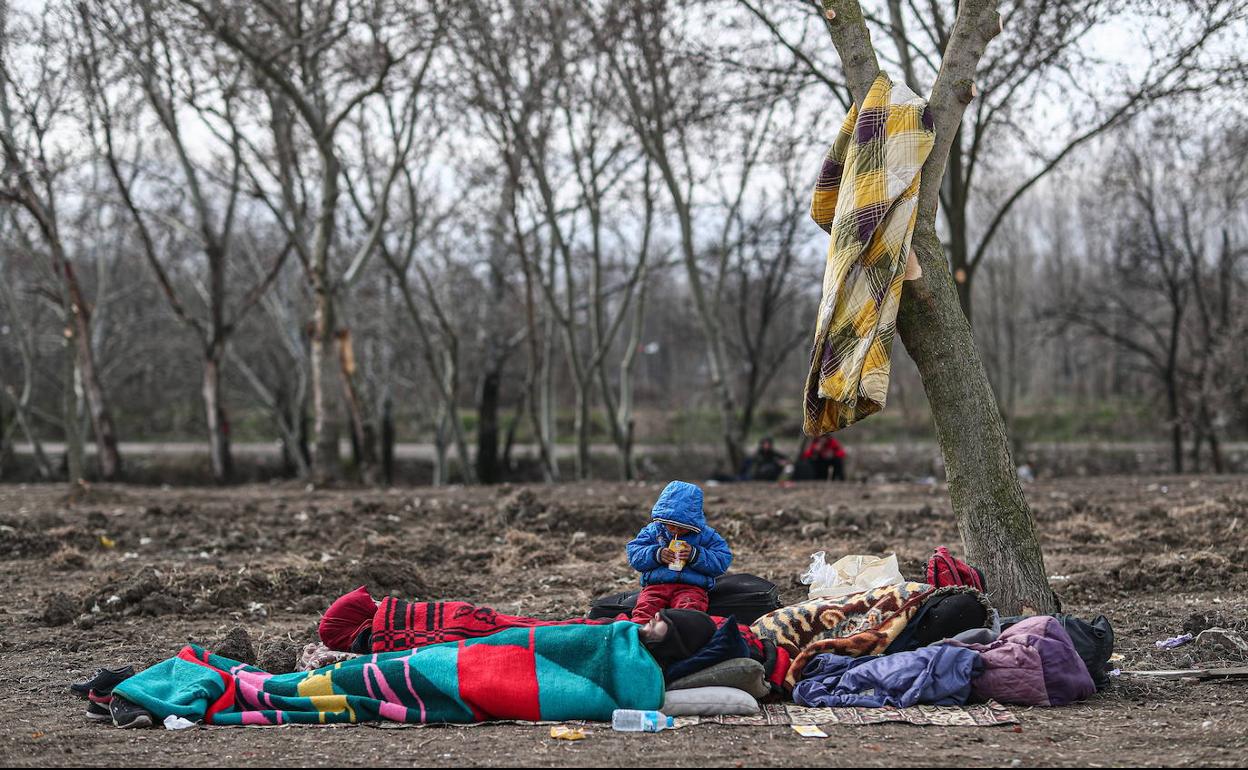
(766, 465)
(825, 456)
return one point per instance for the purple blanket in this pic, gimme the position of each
(1033, 663)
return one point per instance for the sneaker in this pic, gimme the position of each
(97, 707)
(126, 714)
(103, 682)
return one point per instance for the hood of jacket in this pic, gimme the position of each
(680, 504)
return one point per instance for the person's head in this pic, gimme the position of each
(679, 507)
(655, 630)
(675, 530)
(766, 446)
(674, 635)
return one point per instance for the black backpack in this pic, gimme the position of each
(748, 597)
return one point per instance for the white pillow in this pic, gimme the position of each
(709, 702)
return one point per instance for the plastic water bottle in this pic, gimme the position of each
(632, 721)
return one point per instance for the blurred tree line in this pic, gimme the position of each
(353, 222)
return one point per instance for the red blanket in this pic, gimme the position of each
(402, 625)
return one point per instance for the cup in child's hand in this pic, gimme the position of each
(679, 548)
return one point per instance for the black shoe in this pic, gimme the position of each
(97, 707)
(103, 682)
(126, 714)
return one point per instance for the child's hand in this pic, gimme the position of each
(667, 556)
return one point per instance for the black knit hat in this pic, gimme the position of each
(687, 632)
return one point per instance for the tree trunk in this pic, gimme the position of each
(1176, 427)
(998, 531)
(363, 433)
(108, 457)
(994, 519)
(487, 427)
(214, 413)
(387, 441)
(326, 462)
(582, 432)
(74, 470)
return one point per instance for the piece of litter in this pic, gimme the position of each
(107, 541)
(175, 722)
(1116, 657)
(1205, 725)
(145, 541)
(1116, 673)
(565, 733)
(1174, 641)
(809, 731)
(1059, 577)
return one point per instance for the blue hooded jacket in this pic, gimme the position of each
(680, 504)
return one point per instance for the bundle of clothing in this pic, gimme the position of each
(911, 644)
(867, 623)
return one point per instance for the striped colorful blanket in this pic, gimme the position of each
(867, 198)
(552, 673)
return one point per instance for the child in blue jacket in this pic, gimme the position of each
(677, 514)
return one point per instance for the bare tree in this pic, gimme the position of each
(994, 518)
(319, 62)
(1168, 291)
(168, 76)
(32, 106)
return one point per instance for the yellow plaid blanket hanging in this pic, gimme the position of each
(867, 199)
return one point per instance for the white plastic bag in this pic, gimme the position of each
(850, 575)
(175, 722)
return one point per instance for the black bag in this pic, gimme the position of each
(745, 596)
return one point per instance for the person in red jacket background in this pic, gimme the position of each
(825, 454)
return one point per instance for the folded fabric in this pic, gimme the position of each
(932, 676)
(555, 673)
(742, 673)
(709, 702)
(1033, 663)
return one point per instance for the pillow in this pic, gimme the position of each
(740, 673)
(709, 702)
(726, 644)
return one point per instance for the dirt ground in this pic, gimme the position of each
(129, 574)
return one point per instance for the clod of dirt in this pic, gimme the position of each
(278, 656)
(68, 558)
(60, 610)
(19, 545)
(130, 591)
(236, 646)
(396, 578)
(524, 550)
(1199, 621)
(522, 505)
